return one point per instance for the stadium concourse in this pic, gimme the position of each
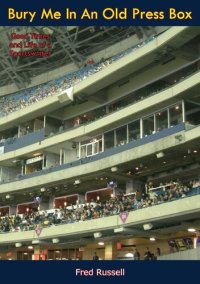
(99, 143)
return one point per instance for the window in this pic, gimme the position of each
(161, 120)
(192, 112)
(134, 130)
(148, 126)
(175, 114)
(109, 140)
(121, 135)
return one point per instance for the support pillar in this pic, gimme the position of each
(38, 253)
(110, 251)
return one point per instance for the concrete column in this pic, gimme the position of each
(168, 117)
(19, 130)
(37, 249)
(110, 251)
(51, 202)
(141, 128)
(61, 152)
(183, 111)
(37, 255)
(44, 121)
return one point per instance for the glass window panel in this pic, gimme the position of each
(148, 126)
(134, 130)
(109, 140)
(96, 147)
(192, 113)
(121, 135)
(83, 151)
(100, 145)
(89, 150)
(175, 113)
(161, 120)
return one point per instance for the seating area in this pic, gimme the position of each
(98, 113)
(151, 196)
(22, 99)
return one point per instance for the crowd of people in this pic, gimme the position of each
(94, 210)
(22, 99)
(148, 255)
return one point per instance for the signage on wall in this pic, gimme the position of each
(38, 230)
(123, 216)
(34, 160)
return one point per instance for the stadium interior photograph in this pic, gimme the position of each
(100, 143)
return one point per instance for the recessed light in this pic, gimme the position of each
(25, 253)
(101, 243)
(15, 161)
(192, 230)
(195, 151)
(129, 254)
(30, 247)
(37, 154)
(152, 239)
(114, 169)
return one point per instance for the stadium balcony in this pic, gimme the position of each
(169, 140)
(36, 141)
(180, 212)
(122, 66)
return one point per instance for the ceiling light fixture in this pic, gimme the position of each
(77, 182)
(191, 230)
(160, 155)
(42, 189)
(148, 226)
(97, 235)
(18, 245)
(114, 169)
(152, 239)
(55, 241)
(129, 254)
